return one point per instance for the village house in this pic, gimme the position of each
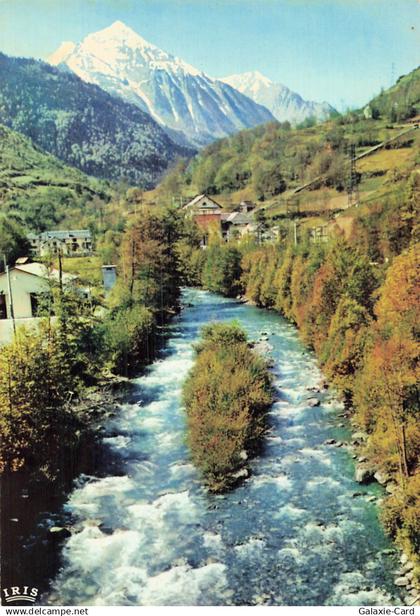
(207, 214)
(28, 283)
(238, 224)
(70, 243)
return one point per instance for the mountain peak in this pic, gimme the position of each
(258, 76)
(176, 94)
(119, 30)
(248, 80)
(62, 52)
(119, 33)
(278, 98)
(119, 25)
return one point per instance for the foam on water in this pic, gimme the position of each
(153, 536)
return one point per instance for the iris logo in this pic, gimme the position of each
(20, 593)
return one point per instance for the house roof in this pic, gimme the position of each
(197, 200)
(239, 218)
(60, 235)
(40, 270)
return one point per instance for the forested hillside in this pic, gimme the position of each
(83, 125)
(400, 102)
(353, 290)
(269, 162)
(38, 192)
(38, 188)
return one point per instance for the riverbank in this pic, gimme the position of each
(359, 316)
(31, 540)
(293, 519)
(368, 471)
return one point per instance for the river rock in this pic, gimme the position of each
(403, 558)
(312, 402)
(362, 459)
(59, 532)
(243, 455)
(381, 477)
(401, 581)
(406, 567)
(363, 474)
(241, 474)
(359, 436)
(330, 441)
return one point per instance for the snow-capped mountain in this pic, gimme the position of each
(282, 102)
(181, 98)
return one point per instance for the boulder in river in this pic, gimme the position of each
(359, 436)
(312, 402)
(241, 474)
(402, 581)
(363, 474)
(59, 532)
(408, 569)
(381, 477)
(330, 441)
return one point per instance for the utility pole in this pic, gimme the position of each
(60, 270)
(353, 185)
(9, 285)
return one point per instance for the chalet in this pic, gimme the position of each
(70, 243)
(202, 204)
(236, 224)
(206, 212)
(27, 282)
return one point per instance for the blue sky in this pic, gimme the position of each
(342, 51)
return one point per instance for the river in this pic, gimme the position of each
(294, 533)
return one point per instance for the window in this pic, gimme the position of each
(34, 304)
(3, 309)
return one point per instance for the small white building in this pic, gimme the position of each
(28, 283)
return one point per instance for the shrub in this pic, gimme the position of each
(226, 396)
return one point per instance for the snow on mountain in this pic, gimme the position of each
(280, 100)
(181, 98)
(62, 53)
